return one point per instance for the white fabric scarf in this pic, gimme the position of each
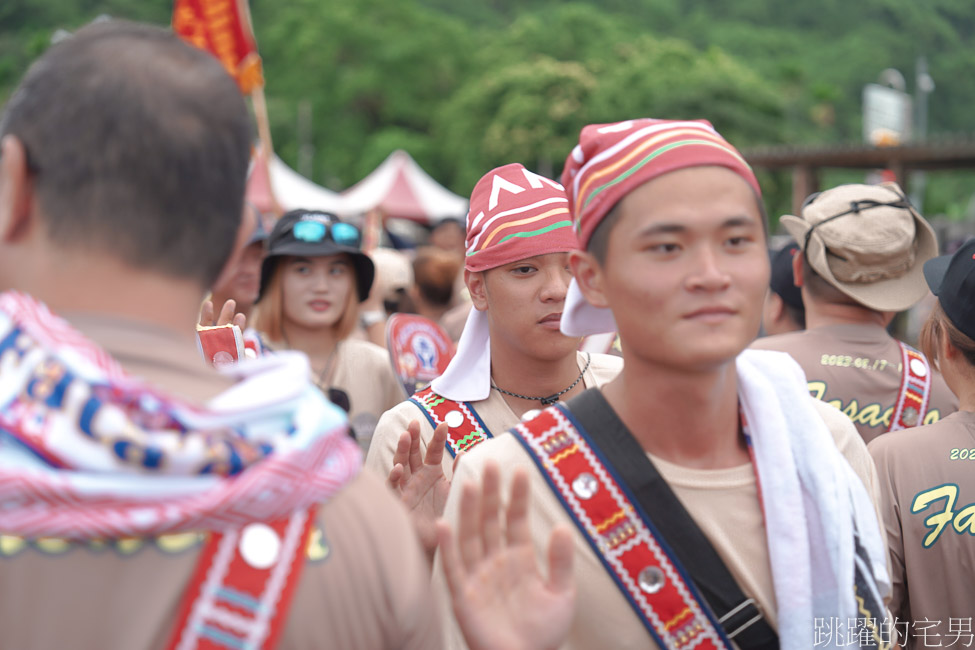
(813, 501)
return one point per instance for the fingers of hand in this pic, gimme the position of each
(517, 526)
(240, 321)
(469, 526)
(560, 559)
(452, 569)
(437, 445)
(206, 313)
(402, 455)
(227, 312)
(416, 457)
(395, 479)
(491, 508)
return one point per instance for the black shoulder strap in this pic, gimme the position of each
(738, 614)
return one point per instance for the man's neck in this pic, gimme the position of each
(534, 377)
(71, 283)
(686, 418)
(827, 314)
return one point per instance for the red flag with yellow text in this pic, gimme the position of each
(222, 27)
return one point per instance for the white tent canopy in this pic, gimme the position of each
(292, 190)
(400, 188)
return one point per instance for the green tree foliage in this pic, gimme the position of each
(468, 84)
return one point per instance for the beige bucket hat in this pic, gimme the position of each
(868, 241)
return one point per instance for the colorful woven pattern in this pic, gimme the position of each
(613, 159)
(516, 214)
(590, 491)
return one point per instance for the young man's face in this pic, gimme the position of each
(524, 302)
(687, 268)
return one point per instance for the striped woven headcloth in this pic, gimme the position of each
(613, 159)
(516, 214)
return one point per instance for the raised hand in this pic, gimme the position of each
(227, 315)
(500, 599)
(420, 481)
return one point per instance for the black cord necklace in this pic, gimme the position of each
(553, 398)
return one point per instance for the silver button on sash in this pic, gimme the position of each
(585, 486)
(651, 579)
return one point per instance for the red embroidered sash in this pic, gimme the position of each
(466, 430)
(654, 583)
(915, 390)
(241, 591)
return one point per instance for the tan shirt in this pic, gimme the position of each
(364, 372)
(857, 369)
(493, 411)
(724, 503)
(932, 551)
(365, 583)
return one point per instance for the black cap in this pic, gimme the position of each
(952, 279)
(782, 281)
(310, 233)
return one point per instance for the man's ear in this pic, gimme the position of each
(475, 281)
(16, 190)
(248, 222)
(590, 277)
(797, 278)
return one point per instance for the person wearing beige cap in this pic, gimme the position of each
(863, 249)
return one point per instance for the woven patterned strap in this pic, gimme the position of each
(240, 593)
(652, 581)
(915, 390)
(466, 430)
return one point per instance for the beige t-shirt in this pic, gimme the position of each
(365, 583)
(932, 550)
(857, 369)
(494, 412)
(723, 502)
(364, 372)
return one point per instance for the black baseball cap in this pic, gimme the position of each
(311, 233)
(952, 279)
(782, 281)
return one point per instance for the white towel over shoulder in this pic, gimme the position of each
(814, 502)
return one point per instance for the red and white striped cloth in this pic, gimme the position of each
(87, 451)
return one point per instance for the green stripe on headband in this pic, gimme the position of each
(658, 152)
(530, 233)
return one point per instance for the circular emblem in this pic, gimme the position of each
(585, 486)
(909, 416)
(425, 351)
(917, 367)
(651, 579)
(223, 358)
(259, 546)
(454, 419)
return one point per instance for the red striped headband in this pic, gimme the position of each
(516, 214)
(613, 159)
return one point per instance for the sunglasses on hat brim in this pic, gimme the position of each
(313, 232)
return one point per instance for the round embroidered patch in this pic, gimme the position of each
(917, 367)
(585, 486)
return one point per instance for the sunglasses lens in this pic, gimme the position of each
(310, 231)
(345, 234)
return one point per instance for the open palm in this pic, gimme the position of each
(500, 598)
